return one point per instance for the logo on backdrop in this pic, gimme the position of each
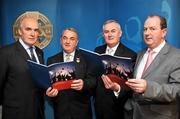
(46, 29)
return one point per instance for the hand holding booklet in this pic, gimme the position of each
(118, 69)
(57, 75)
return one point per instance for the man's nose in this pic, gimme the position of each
(32, 33)
(110, 34)
(148, 31)
(67, 40)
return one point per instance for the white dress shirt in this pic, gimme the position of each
(112, 50)
(71, 56)
(26, 47)
(144, 59)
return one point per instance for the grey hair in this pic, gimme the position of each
(111, 21)
(70, 29)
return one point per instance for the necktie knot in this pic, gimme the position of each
(110, 51)
(150, 52)
(149, 59)
(68, 57)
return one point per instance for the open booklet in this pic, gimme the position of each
(118, 69)
(57, 75)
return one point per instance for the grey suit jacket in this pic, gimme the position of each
(159, 101)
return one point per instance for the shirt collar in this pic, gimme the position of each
(113, 48)
(157, 49)
(26, 47)
(71, 54)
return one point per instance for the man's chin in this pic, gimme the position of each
(68, 51)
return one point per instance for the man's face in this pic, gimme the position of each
(153, 34)
(112, 34)
(69, 41)
(29, 31)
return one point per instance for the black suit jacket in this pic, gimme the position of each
(72, 104)
(106, 104)
(19, 97)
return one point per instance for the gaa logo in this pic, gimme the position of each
(46, 29)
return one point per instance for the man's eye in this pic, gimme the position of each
(64, 38)
(152, 29)
(113, 31)
(27, 29)
(72, 38)
(37, 30)
(106, 31)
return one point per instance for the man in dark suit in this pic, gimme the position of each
(20, 98)
(156, 87)
(73, 103)
(107, 105)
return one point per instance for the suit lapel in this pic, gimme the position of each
(21, 51)
(77, 57)
(120, 50)
(156, 62)
(138, 60)
(60, 57)
(103, 51)
(39, 55)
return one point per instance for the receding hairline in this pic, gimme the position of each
(163, 22)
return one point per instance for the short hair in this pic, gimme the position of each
(24, 17)
(70, 29)
(111, 21)
(163, 23)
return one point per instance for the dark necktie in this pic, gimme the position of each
(32, 54)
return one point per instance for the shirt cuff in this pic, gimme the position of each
(116, 93)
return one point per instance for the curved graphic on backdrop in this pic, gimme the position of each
(46, 29)
(132, 32)
(165, 7)
(99, 40)
(136, 36)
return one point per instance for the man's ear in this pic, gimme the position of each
(19, 32)
(120, 34)
(77, 42)
(164, 32)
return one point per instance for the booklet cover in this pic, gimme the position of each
(57, 75)
(118, 69)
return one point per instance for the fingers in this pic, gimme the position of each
(109, 84)
(51, 92)
(138, 85)
(77, 84)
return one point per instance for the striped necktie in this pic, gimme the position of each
(32, 54)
